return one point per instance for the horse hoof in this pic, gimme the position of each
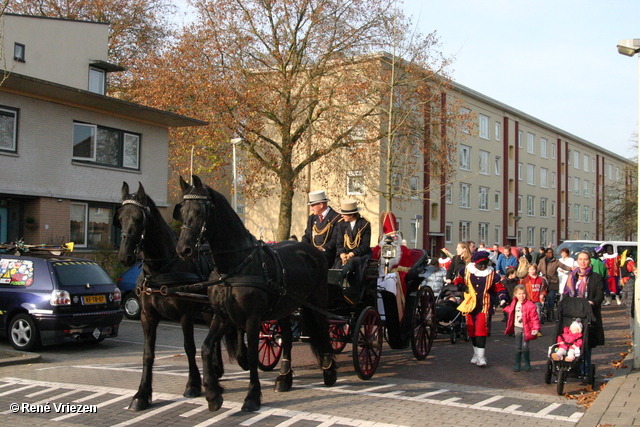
(192, 392)
(138, 404)
(330, 377)
(283, 383)
(216, 404)
(250, 407)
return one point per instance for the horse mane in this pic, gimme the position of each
(154, 213)
(230, 218)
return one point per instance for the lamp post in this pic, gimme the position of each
(630, 47)
(417, 219)
(234, 142)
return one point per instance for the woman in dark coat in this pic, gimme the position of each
(583, 282)
(459, 261)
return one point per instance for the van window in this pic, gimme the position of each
(79, 273)
(631, 251)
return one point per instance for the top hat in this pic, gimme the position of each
(317, 197)
(349, 206)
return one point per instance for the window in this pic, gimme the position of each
(569, 181)
(610, 170)
(90, 224)
(531, 231)
(519, 171)
(543, 177)
(576, 185)
(496, 200)
(593, 165)
(448, 193)
(530, 207)
(465, 191)
(585, 213)
(553, 180)
(497, 235)
(520, 134)
(465, 112)
(497, 131)
(484, 126)
(355, 183)
(553, 150)
(106, 146)
(498, 166)
(484, 162)
(519, 204)
(569, 211)
(465, 157)
(483, 199)
(586, 188)
(576, 159)
(448, 227)
(585, 163)
(543, 148)
(396, 181)
(8, 129)
(553, 208)
(531, 140)
(465, 230)
(413, 186)
(543, 207)
(97, 80)
(519, 236)
(593, 215)
(483, 232)
(617, 174)
(414, 232)
(553, 238)
(531, 170)
(593, 190)
(576, 213)
(19, 52)
(543, 237)
(569, 157)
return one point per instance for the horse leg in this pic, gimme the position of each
(285, 379)
(142, 399)
(321, 344)
(252, 402)
(194, 384)
(241, 354)
(210, 365)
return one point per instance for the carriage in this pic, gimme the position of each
(364, 315)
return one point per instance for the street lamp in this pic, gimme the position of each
(234, 142)
(630, 47)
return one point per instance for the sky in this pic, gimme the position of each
(555, 60)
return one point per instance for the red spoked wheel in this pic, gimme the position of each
(423, 323)
(269, 345)
(367, 343)
(339, 334)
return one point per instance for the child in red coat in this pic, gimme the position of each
(523, 322)
(569, 343)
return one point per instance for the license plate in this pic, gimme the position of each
(94, 299)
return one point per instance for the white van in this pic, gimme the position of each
(575, 246)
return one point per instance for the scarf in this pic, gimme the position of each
(577, 283)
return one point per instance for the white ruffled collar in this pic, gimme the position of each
(613, 255)
(479, 273)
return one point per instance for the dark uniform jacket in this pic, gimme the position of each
(361, 228)
(325, 234)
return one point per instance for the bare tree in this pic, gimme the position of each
(621, 201)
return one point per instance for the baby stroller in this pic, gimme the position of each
(448, 319)
(569, 310)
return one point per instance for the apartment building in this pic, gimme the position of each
(516, 180)
(65, 147)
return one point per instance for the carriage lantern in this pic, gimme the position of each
(388, 249)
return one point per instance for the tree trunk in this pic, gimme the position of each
(286, 208)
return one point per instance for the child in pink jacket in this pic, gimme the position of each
(523, 322)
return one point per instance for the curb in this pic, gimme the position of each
(13, 357)
(599, 407)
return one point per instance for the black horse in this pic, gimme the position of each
(253, 282)
(146, 233)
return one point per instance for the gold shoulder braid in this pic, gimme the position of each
(326, 231)
(356, 240)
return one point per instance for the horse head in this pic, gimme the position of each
(131, 218)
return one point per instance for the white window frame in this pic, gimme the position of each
(585, 213)
(85, 207)
(414, 184)
(465, 157)
(483, 232)
(498, 166)
(464, 126)
(531, 174)
(498, 130)
(465, 230)
(483, 126)
(543, 207)
(543, 148)
(543, 177)
(520, 203)
(484, 162)
(553, 180)
(519, 237)
(543, 236)
(448, 194)
(497, 200)
(519, 171)
(531, 143)
(483, 199)
(497, 230)
(576, 185)
(553, 150)
(553, 208)
(531, 208)
(448, 232)
(12, 115)
(576, 212)
(131, 142)
(97, 81)
(465, 196)
(585, 188)
(520, 138)
(531, 233)
(576, 159)
(355, 183)
(93, 129)
(585, 163)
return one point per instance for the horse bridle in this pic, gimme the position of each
(206, 201)
(145, 212)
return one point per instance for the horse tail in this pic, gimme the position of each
(317, 327)
(231, 342)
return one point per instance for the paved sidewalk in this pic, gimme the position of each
(618, 404)
(11, 357)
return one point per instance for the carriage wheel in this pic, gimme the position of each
(269, 345)
(548, 372)
(367, 343)
(562, 378)
(423, 327)
(339, 333)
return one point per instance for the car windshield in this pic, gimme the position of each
(79, 273)
(576, 247)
